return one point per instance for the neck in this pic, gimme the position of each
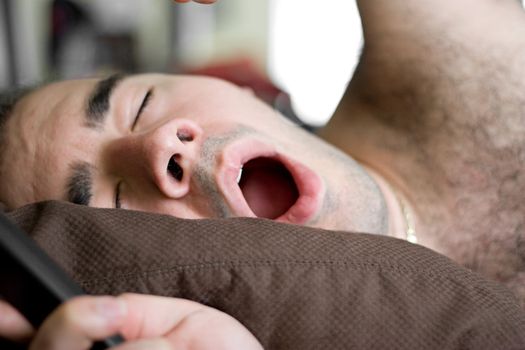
(401, 215)
(370, 142)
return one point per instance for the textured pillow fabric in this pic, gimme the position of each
(293, 287)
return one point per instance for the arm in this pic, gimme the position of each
(419, 55)
(437, 106)
(410, 42)
(429, 64)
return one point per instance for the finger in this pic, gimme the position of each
(212, 329)
(13, 326)
(186, 324)
(80, 321)
(152, 316)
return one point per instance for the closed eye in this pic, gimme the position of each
(143, 106)
(118, 204)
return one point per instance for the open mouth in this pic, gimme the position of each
(268, 187)
(258, 181)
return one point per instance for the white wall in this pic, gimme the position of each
(313, 52)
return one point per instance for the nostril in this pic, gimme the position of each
(184, 135)
(175, 169)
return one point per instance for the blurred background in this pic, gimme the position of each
(297, 55)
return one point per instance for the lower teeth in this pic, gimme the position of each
(239, 176)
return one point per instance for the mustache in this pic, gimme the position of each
(204, 171)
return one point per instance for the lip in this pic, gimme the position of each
(235, 155)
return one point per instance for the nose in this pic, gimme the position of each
(166, 155)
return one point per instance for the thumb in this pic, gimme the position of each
(76, 324)
(13, 326)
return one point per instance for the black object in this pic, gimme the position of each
(33, 283)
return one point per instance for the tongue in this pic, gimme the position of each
(268, 187)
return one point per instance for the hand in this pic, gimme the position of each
(146, 322)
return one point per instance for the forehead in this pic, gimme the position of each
(35, 135)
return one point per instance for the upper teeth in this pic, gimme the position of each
(239, 176)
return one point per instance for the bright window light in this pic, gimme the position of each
(313, 50)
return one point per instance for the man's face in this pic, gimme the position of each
(191, 147)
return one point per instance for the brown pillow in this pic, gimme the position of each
(293, 287)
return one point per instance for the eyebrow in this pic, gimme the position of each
(97, 106)
(79, 184)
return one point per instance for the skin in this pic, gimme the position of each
(435, 110)
(436, 107)
(49, 132)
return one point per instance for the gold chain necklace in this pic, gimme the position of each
(408, 218)
(410, 227)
